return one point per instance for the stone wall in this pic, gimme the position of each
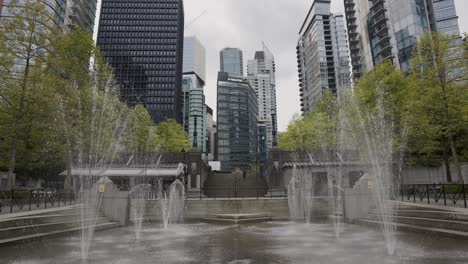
(427, 175)
(198, 209)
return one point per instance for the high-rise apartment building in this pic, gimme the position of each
(143, 42)
(381, 30)
(193, 99)
(232, 62)
(236, 122)
(322, 54)
(261, 75)
(69, 13)
(445, 16)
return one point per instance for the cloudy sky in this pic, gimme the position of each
(245, 24)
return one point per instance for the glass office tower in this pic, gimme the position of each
(193, 82)
(236, 123)
(232, 62)
(143, 41)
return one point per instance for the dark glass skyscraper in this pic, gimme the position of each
(143, 41)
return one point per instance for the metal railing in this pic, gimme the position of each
(239, 193)
(446, 194)
(27, 200)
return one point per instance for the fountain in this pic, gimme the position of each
(300, 196)
(94, 129)
(172, 207)
(373, 135)
(138, 196)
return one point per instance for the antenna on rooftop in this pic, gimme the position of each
(195, 19)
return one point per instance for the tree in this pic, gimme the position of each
(315, 131)
(170, 136)
(381, 97)
(140, 139)
(25, 36)
(438, 92)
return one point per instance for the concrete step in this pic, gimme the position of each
(238, 216)
(46, 227)
(35, 236)
(429, 222)
(418, 228)
(41, 219)
(434, 214)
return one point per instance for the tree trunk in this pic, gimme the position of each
(447, 164)
(18, 117)
(455, 160)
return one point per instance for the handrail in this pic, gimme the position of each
(28, 200)
(435, 193)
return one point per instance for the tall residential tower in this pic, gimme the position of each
(143, 41)
(381, 30)
(322, 54)
(68, 13)
(261, 75)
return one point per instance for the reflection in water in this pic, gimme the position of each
(266, 243)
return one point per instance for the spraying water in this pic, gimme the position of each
(300, 195)
(172, 207)
(375, 136)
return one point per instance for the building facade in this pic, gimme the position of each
(381, 30)
(143, 42)
(261, 73)
(193, 102)
(232, 62)
(68, 13)
(322, 54)
(210, 133)
(236, 122)
(445, 16)
(194, 111)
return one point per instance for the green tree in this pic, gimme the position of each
(140, 137)
(315, 131)
(170, 136)
(25, 36)
(381, 97)
(438, 95)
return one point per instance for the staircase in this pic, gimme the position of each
(440, 220)
(19, 227)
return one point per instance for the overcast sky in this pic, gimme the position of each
(245, 24)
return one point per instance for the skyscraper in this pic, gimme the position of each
(445, 15)
(381, 30)
(322, 54)
(143, 42)
(232, 61)
(236, 122)
(261, 75)
(82, 13)
(193, 82)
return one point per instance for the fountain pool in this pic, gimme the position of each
(265, 243)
